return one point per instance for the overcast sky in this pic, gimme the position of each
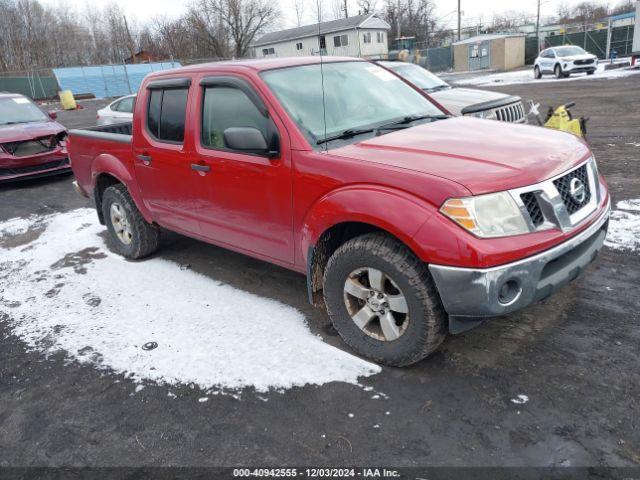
(473, 10)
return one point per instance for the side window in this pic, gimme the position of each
(299, 46)
(225, 107)
(115, 106)
(380, 37)
(166, 114)
(366, 37)
(125, 105)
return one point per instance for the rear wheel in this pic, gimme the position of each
(537, 73)
(131, 235)
(591, 72)
(558, 71)
(383, 302)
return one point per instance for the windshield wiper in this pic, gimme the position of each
(409, 119)
(437, 88)
(350, 132)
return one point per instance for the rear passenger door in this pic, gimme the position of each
(160, 154)
(244, 200)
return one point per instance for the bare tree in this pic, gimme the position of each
(366, 6)
(298, 7)
(243, 20)
(508, 21)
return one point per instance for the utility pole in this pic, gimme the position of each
(538, 28)
(399, 33)
(346, 12)
(459, 19)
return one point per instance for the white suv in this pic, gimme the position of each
(563, 61)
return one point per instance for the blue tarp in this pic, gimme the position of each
(107, 80)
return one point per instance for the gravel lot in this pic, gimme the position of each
(575, 357)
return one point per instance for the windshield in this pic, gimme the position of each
(569, 51)
(417, 75)
(356, 95)
(19, 110)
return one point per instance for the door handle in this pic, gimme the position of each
(144, 158)
(200, 168)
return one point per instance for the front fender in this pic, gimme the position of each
(109, 164)
(396, 212)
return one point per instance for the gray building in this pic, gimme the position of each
(359, 36)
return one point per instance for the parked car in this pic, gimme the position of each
(461, 101)
(118, 111)
(407, 222)
(563, 61)
(32, 143)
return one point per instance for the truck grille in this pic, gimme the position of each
(563, 201)
(583, 62)
(533, 207)
(511, 113)
(572, 202)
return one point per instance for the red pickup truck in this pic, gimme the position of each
(407, 222)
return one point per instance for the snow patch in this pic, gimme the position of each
(526, 76)
(16, 226)
(69, 293)
(624, 226)
(520, 400)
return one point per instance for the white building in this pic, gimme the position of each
(359, 36)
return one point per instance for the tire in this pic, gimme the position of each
(591, 72)
(423, 327)
(566, 75)
(558, 71)
(537, 74)
(139, 238)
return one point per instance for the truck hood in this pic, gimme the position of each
(455, 99)
(483, 155)
(27, 131)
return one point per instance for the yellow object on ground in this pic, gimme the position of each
(561, 120)
(67, 100)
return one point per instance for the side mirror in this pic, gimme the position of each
(53, 115)
(247, 139)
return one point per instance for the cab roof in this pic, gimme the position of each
(256, 65)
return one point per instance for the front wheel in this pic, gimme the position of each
(558, 71)
(537, 73)
(131, 235)
(383, 302)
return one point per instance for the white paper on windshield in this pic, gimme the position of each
(20, 100)
(381, 73)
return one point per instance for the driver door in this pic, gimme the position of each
(243, 200)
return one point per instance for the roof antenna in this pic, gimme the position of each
(324, 108)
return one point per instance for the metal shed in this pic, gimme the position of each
(497, 52)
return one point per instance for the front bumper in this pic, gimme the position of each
(580, 68)
(474, 294)
(45, 169)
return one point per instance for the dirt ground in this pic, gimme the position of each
(576, 357)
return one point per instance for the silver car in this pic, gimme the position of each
(563, 61)
(462, 101)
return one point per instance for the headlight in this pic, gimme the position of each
(492, 215)
(483, 114)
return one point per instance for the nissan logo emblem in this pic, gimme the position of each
(577, 190)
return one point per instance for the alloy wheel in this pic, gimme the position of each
(376, 304)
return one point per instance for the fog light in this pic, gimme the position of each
(509, 292)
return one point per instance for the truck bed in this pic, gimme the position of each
(89, 145)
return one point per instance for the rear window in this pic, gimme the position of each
(166, 114)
